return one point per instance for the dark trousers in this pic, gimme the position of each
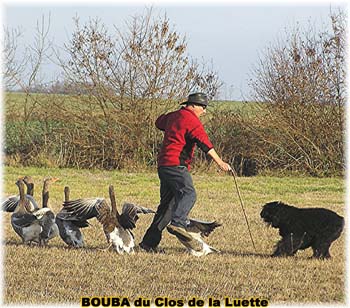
(177, 197)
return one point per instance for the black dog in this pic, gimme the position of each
(302, 228)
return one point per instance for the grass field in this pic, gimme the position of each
(56, 274)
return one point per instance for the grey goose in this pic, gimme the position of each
(117, 227)
(11, 202)
(36, 225)
(69, 223)
(193, 237)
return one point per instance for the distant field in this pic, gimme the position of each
(56, 274)
(237, 106)
(16, 99)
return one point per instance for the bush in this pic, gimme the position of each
(302, 87)
(119, 87)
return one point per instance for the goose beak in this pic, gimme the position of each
(52, 179)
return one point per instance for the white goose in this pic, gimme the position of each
(194, 239)
(11, 202)
(34, 226)
(117, 227)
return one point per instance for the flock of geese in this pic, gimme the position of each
(36, 225)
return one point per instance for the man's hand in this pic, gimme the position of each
(223, 166)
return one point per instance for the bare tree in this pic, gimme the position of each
(14, 65)
(119, 81)
(123, 81)
(302, 86)
(22, 72)
(206, 79)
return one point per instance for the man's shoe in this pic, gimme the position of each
(151, 249)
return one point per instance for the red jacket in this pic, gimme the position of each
(182, 131)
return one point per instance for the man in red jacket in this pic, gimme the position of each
(182, 132)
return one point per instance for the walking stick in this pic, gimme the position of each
(241, 201)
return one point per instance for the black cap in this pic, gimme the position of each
(197, 99)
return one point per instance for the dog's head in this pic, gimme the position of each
(270, 213)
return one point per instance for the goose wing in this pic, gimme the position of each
(106, 217)
(80, 211)
(83, 209)
(130, 213)
(23, 220)
(202, 227)
(10, 203)
(69, 217)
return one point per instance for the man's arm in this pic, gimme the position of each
(161, 122)
(223, 166)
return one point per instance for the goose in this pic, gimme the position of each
(69, 225)
(194, 239)
(48, 215)
(66, 193)
(30, 185)
(11, 202)
(34, 225)
(117, 227)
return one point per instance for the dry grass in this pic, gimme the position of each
(57, 274)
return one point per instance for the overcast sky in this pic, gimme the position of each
(231, 34)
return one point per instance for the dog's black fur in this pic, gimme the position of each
(302, 228)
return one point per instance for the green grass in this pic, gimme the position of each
(56, 274)
(243, 109)
(16, 101)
